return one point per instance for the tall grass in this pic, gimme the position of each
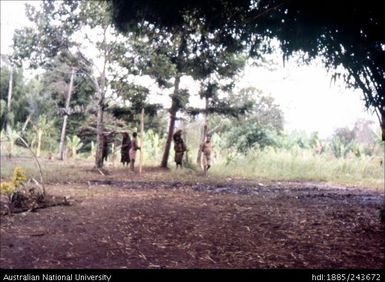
(303, 165)
(269, 165)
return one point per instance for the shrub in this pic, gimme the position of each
(19, 177)
(7, 188)
(17, 181)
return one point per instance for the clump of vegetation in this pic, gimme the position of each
(18, 180)
(6, 188)
(74, 144)
(22, 195)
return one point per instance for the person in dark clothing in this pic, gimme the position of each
(125, 149)
(105, 139)
(104, 147)
(179, 148)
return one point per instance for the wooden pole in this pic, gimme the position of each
(185, 141)
(204, 133)
(67, 109)
(141, 140)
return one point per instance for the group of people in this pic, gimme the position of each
(130, 146)
(127, 150)
(180, 148)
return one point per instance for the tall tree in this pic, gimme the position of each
(67, 109)
(49, 42)
(182, 41)
(56, 83)
(40, 102)
(216, 75)
(61, 31)
(12, 89)
(344, 34)
(258, 127)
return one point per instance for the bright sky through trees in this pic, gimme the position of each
(309, 101)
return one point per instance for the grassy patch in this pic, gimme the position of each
(304, 165)
(268, 165)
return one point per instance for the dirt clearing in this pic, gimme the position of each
(163, 224)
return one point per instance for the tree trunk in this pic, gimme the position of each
(174, 100)
(186, 142)
(62, 138)
(199, 154)
(171, 126)
(205, 130)
(99, 132)
(10, 88)
(67, 109)
(101, 92)
(141, 140)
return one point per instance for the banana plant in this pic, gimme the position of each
(74, 144)
(42, 127)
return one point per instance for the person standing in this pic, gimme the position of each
(134, 147)
(206, 148)
(104, 142)
(106, 138)
(125, 149)
(179, 148)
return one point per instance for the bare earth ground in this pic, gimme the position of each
(128, 221)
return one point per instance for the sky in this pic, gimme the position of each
(309, 100)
